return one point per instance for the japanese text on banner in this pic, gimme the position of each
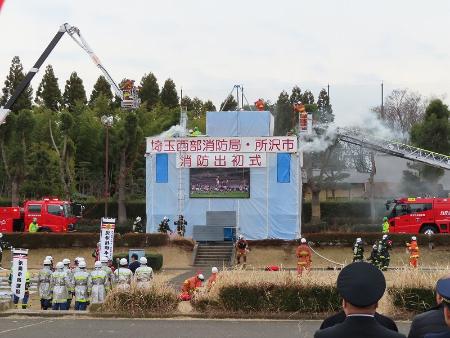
(107, 237)
(271, 144)
(221, 160)
(19, 272)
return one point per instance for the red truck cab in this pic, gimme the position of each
(52, 214)
(419, 215)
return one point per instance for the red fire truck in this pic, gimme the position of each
(419, 215)
(52, 214)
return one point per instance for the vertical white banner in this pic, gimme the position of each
(19, 272)
(107, 237)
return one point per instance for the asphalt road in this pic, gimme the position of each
(112, 328)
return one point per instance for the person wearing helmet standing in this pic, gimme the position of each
(413, 249)
(109, 274)
(80, 280)
(241, 249)
(69, 273)
(143, 274)
(164, 226)
(385, 226)
(138, 227)
(181, 225)
(190, 286)
(50, 258)
(213, 278)
(383, 251)
(123, 275)
(60, 284)
(43, 285)
(358, 250)
(33, 227)
(374, 256)
(98, 284)
(303, 254)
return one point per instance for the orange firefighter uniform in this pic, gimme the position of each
(303, 253)
(190, 286)
(413, 249)
(212, 280)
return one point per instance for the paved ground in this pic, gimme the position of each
(112, 328)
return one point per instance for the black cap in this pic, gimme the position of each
(443, 289)
(361, 284)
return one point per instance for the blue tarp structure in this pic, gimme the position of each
(273, 209)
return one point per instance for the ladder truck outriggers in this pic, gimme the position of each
(127, 92)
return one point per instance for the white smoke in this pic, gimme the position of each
(325, 135)
(174, 131)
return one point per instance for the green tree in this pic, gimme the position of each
(209, 106)
(15, 76)
(229, 104)
(296, 95)
(74, 92)
(324, 107)
(48, 93)
(186, 101)
(149, 92)
(129, 137)
(433, 134)
(307, 97)
(101, 87)
(283, 115)
(169, 96)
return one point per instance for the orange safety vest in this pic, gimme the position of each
(303, 253)
(413, 249)
(191, 284)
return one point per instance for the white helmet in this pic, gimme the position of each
(214, 270)
(414, 238)
(104, 259)
(385, 236)
(50, 258)
(66, 261)
(374, 246)
(1, 235)
(358, 240)
(240, 237)
(201, 277)
(303, 240)
(60, 265)
(123, 261)
(138, 219)
(47, 262)
(143, 260)
(165, 218)
(82, 264)
(97, 264)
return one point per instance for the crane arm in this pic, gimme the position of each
(395, 148)
(75, 34)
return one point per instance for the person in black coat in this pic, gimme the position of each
(431, 321)
(361, 285)
(340, 317)
(134, 263)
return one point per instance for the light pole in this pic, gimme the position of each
(107, 121)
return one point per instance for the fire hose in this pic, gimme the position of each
(329, 260)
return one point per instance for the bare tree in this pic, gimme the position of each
(402, 109)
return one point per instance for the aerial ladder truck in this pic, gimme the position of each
(128, 93)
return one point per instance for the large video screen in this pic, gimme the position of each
(219, 183)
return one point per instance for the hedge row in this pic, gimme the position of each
(90, 240)
(304, 299)
(154, 260)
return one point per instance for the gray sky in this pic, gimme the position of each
(207, 46)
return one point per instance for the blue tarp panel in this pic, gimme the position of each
(238, 123)
(283, 168)
(162, 170)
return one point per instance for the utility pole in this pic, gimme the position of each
(328, 91)
(107, 121)
(237, 96)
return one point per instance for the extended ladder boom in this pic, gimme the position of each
(395, 148)
(128, 96)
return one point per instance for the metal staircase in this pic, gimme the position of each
(394, 148)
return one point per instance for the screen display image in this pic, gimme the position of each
(219, 183)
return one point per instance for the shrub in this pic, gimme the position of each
(413, 299)
(158, 299)
(154, 260)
